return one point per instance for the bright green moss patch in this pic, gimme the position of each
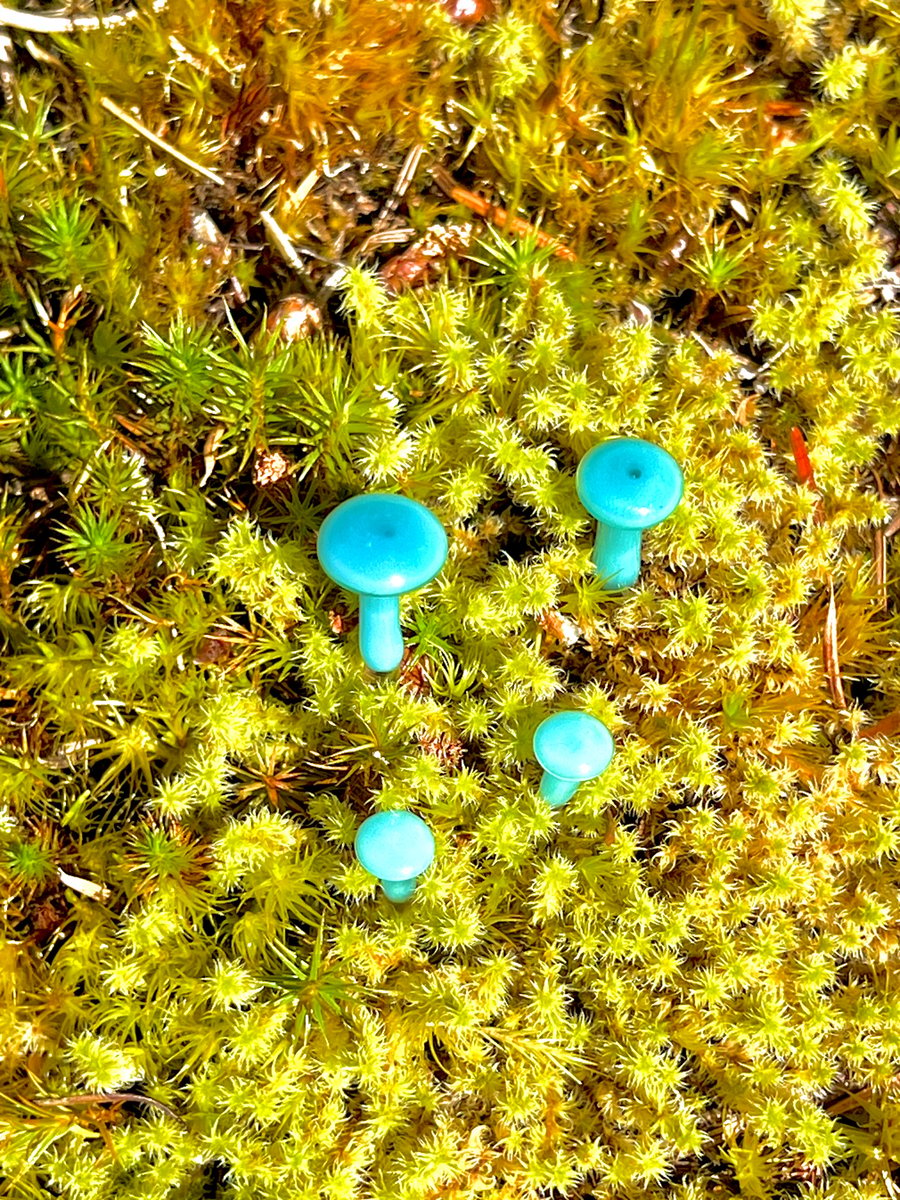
(683, 983)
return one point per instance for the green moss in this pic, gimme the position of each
(683, 984)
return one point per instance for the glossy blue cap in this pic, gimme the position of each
(395, 845)
(573, 745)
(381, 544)
(629, 483)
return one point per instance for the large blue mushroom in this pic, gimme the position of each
(572, 747)
(628, 485)
(396, 847)
(381, 545)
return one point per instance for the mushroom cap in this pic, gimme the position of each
(573, 745)
(395, 845)
(629, 483)
(381, 544)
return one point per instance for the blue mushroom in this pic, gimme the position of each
(396, 847)
(628, 485)
(381, 545)
(571, 747)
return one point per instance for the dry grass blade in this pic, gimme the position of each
(108, 1098)
(401, 184)
(112, 107)
(854, 1100)
(534, 1048)
(386, 237)
(282, 241)
(880, 562)
(211, 451)
(830, 652)
(8, 81)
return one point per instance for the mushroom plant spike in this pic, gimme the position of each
(628, 485)
(381, 545)
(397, 847)
(572, 747)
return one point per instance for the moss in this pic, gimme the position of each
(683, 983)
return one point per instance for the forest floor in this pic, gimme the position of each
(257, 257)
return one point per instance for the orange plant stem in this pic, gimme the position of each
(497, 215)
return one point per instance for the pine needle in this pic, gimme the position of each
(830, 652)
(497, 215)
(108, 1098)
(112, 107)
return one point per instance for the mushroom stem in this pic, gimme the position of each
(556, 790)
(617, 556)
(398, 890)
(380, 639)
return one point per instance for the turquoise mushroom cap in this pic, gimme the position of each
(381, 544)
(629, 483)
(395, 845)
(573, 746)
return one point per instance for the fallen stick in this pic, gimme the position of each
(14, 18)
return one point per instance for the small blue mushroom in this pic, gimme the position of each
(628, 485)
(571, 747)
(396, 847)
(381, 545)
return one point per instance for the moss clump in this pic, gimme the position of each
(683, 983)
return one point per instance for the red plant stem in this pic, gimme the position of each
(801, 457)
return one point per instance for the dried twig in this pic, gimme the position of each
(112, 107)
(496, 215)
(57, 22)
(830, 652)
